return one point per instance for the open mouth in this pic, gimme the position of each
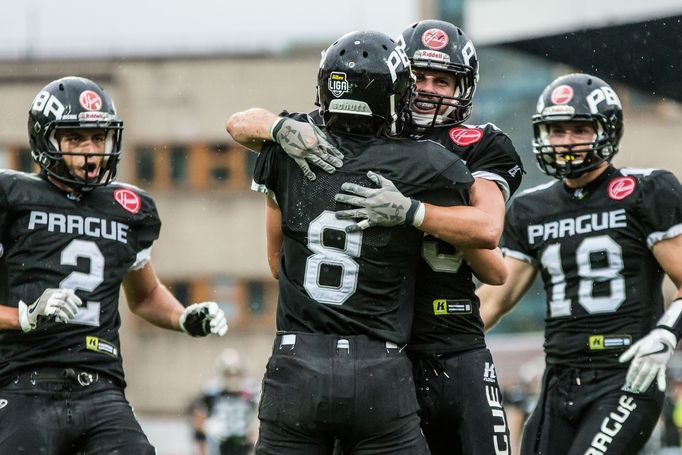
(90, 170)
(424, 105)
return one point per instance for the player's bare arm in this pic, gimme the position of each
(148, 298)
(274, 237)
(488, 265)
(498, 300)
(302, 141)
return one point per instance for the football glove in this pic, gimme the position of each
(383, 206)
(60, 305)
(200, 319)
(305, 143)
(649, 356)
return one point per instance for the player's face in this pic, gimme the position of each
(89, 145)
(432, 82)
(574, 136)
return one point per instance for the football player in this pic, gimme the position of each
(447, 339)
(70, 238)
(338, 369)
(602, 238)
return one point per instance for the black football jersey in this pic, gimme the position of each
(358, 283)
(447, 317)
(50, 240)
(593, 249)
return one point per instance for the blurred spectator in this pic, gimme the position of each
(224, 416)
(671, 437)
(520, 400)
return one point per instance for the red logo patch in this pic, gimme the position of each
(90, 100)
(621, 187)
(435, 39)
(128, 199)
(562, 94)
(465, 136)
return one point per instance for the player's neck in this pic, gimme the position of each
(63, 186)
(586, 178)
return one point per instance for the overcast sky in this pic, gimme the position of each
(68, 28)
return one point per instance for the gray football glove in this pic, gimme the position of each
(200, 319)
(649, 356)
(384, 206)
(60, 305)
(305, 143)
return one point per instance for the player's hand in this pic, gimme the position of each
(383, 206)
(200, 319)
(305, 143)
(60, 305)
(649, 356)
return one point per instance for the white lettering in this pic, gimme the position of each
(468, 51)
(36, 218)
(608, 430)
(77, 225)
(584, 224)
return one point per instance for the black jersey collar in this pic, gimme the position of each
(584, 191)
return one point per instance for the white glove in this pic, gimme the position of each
(200, 319)
(305, 142)
(649, 356)
(60, 304)
(385, 206)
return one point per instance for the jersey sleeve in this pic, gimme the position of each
(149, 223)
(659, 207)
(500, 163)
(513, 241)
(265, 171)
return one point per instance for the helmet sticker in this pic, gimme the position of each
(465, 136)
(435, 39)
(426, 54)
(90, 100)
(562, 94)
(621, 187)
(338, 83)
(128, 199)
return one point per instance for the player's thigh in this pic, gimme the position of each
(402, 436)
(113, 428)
(618, 423)
(547, 432)
(280, 439)
(30, 423)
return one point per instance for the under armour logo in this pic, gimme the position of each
(3, 403)
(489, 372)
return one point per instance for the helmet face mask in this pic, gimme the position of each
(438, 46)
(577, 98)
(74, 103)
(365, 84)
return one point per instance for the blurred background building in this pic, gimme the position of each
(178, 70)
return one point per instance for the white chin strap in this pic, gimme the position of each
(426, 119)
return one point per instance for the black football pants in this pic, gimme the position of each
(461, 404)
(585, 412)
(321, 387)
(62, 417)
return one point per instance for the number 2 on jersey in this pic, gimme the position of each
(88, 314)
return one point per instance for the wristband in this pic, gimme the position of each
(672, 318)
(275, 127)
(415, 214)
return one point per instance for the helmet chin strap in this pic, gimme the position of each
(427, 119)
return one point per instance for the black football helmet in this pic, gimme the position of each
(73, 102)
(365, 84)
(435, 45)
(577, 98)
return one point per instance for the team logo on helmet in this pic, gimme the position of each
(621, 187)
(338, 84)
(90, 100)
(562, 94)
(435, 39)
(128, 199)
(465, 136)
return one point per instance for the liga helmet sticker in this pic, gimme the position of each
(90, 100)
(435, 39)
(562, 94)
(128, 199)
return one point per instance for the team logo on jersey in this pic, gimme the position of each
(435, 39)
(128, 199)
(621, 187)
(338, 83)
(90, 100)
(562, 94)
(465, 136)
